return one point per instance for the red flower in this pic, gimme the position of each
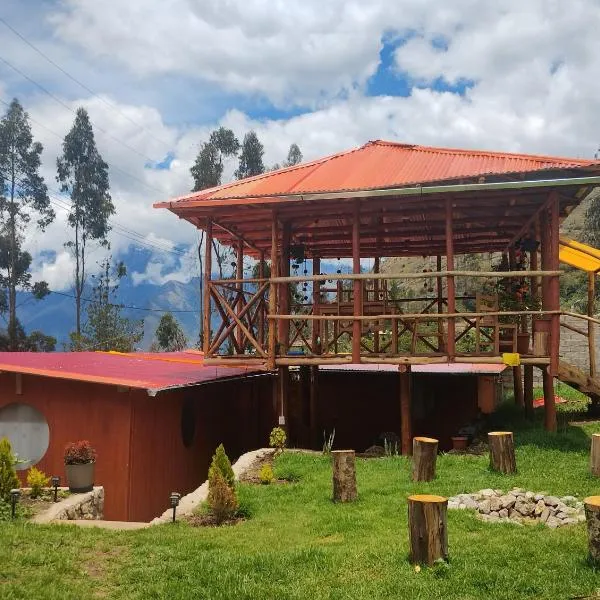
(79, 453)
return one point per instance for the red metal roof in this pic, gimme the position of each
(380, 164)
(149, 371)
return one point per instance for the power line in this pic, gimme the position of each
(78, 82)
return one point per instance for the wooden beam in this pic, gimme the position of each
(553, 282)
(316, 301)
(450, 284)
(206, 290)
(272, 350)
(239, 301)
(284, 287)
(357, 286)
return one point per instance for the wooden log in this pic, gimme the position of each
(427, 526)
(595, 455)
(424, 458)
(502, 451)
(592, 517)
(344, 476)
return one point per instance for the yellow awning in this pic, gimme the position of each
(578, 255)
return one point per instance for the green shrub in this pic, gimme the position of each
(277, 439)
(266, 474)
(8, 474)
(37, 480)
(221, 464)
(222, 499)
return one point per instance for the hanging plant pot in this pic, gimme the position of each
(80, 478)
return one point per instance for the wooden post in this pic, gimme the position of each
(344, 476)
(528, 390)
(591, 331)
(553, 300)
(518, 386)
(595, 455)
(440, 302)
(273, 295)
(428, 529)
(357, 285)
(261, 311)
(405, 410)
(313, 404)
(450, 284)
(284, 288)
(502, 451)
(239, 301)
(316, 300)
(206, 291)
(282, 397)
(592, 517)
(376, 284)
(549, 401)
(424, 458)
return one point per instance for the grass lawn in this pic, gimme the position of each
(298, 544)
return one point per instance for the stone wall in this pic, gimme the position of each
(88, 506)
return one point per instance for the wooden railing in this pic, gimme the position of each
(274, 321)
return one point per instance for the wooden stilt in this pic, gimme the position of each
(239, 301)
(502, 451)
(284, 289)
(591, 326)
(518, 386)
(592, 517)
(528, 390)
(357, 285)
(344, 476)
(261, 309)
(405, 411)
(376, 284)
(424, 458)
(316, 301)
(428, 528)
(595, 455)
(440, 303)
(450, 284)
(206, 291)
(554, 284)
(314, 403)
(549, 402)
(272, 351)
(282, 409)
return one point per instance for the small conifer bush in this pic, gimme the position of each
(37, 480)
(222, 464)
(222, 499)
(266, 474)
(8, 474)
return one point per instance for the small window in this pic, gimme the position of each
(188, 422)
(27, 430)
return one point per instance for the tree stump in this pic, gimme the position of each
(344, 476)
(502, 451)
(592, 517)
(595, 455)
(427, 526)
(424, 457)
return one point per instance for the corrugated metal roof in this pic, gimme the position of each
(440, 368)
(380, 164)
(149, 371)
(578, 255)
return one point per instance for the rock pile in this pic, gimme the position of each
(520, 506)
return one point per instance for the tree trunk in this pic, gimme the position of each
(344, 476)
(502, 451)
(595, 455)
(592, 516)
(424, 457)
(427, 526)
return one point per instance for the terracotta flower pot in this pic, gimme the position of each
(460, 442)
(80, 478)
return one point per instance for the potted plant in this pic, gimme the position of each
(80, 459)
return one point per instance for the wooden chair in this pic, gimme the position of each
(491, 327)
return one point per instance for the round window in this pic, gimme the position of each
(188, 422)
(27, 431)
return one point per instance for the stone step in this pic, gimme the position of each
(124, 525)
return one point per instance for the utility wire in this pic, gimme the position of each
(83, 85)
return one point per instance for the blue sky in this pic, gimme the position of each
(329, 76)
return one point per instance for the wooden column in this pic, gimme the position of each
(284, 289)
(502, 451)
(316, 300)
(282, 396)
(376, 283)
(592, 517)
(424, 458)
(595, 455)
(314, 405)
(405, 410)
(356, 286)
(344, 476)
(261, 311)
(206, 291)
(549, 402)
(528, 390)
(450, 285)
(239, 302)
(428, 529)
(439, 284)
(591, 331)
(554, 284)
(272, 351)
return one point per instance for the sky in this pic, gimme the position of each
(157, 77)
